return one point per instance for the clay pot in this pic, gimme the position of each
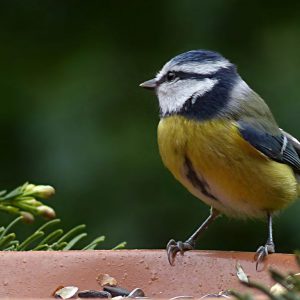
(38, 274)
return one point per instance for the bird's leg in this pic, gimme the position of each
(269, 247)
(173, 247)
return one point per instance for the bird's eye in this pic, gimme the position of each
(171, 76)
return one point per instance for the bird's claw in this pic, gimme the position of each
(262, 252)
(174, 247)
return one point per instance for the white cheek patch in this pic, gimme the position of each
(172, 96)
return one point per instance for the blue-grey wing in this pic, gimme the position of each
(281, 147)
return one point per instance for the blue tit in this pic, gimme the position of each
(220, 140)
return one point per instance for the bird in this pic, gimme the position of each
(220, 140)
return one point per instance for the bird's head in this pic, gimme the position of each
(196, 84)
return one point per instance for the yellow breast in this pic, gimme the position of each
(218, 166)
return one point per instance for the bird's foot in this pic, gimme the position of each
(173, 247)
(263, 251)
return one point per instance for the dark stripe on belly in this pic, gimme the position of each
(199, 183)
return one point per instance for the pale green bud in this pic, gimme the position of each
(27, 217)
(43, 191)
(46, 211)
(29, 187)
(31, 201)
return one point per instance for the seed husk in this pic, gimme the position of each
(242, 276)
(66, 292)
(105, 279)
(117, 298)
(136, 293)
(116, 291)
(94, 294)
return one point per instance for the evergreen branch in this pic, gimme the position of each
(74, 241)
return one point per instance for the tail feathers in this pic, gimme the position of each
(295, 143)
(298, 186)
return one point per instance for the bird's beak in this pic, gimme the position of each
(149, 84)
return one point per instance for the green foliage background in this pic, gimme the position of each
(72, 114)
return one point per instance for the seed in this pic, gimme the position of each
(94, 294)
(116, 291)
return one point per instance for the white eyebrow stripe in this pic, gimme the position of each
(204, 68)
(163, 71)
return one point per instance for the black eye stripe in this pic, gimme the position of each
(184, 75)
(220, 74)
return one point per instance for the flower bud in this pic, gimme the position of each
(46, 211)
(32, 202)
(27, 217)
(29, 187)
(43, 191)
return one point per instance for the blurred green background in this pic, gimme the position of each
(73, 116)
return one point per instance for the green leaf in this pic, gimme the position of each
(2, 193)
(120, 246)
(281, 279)
(30, 240)
(14, 242)
(41, 247)
(10, 225)
(74, 241)
(58, 246)
(261, 288)
(49, 224)
(9, 209)
(52, 236)
(94, 243)
(297, 256)
(4, 241)
(71, 233)
(10, 248)
(13, 194)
